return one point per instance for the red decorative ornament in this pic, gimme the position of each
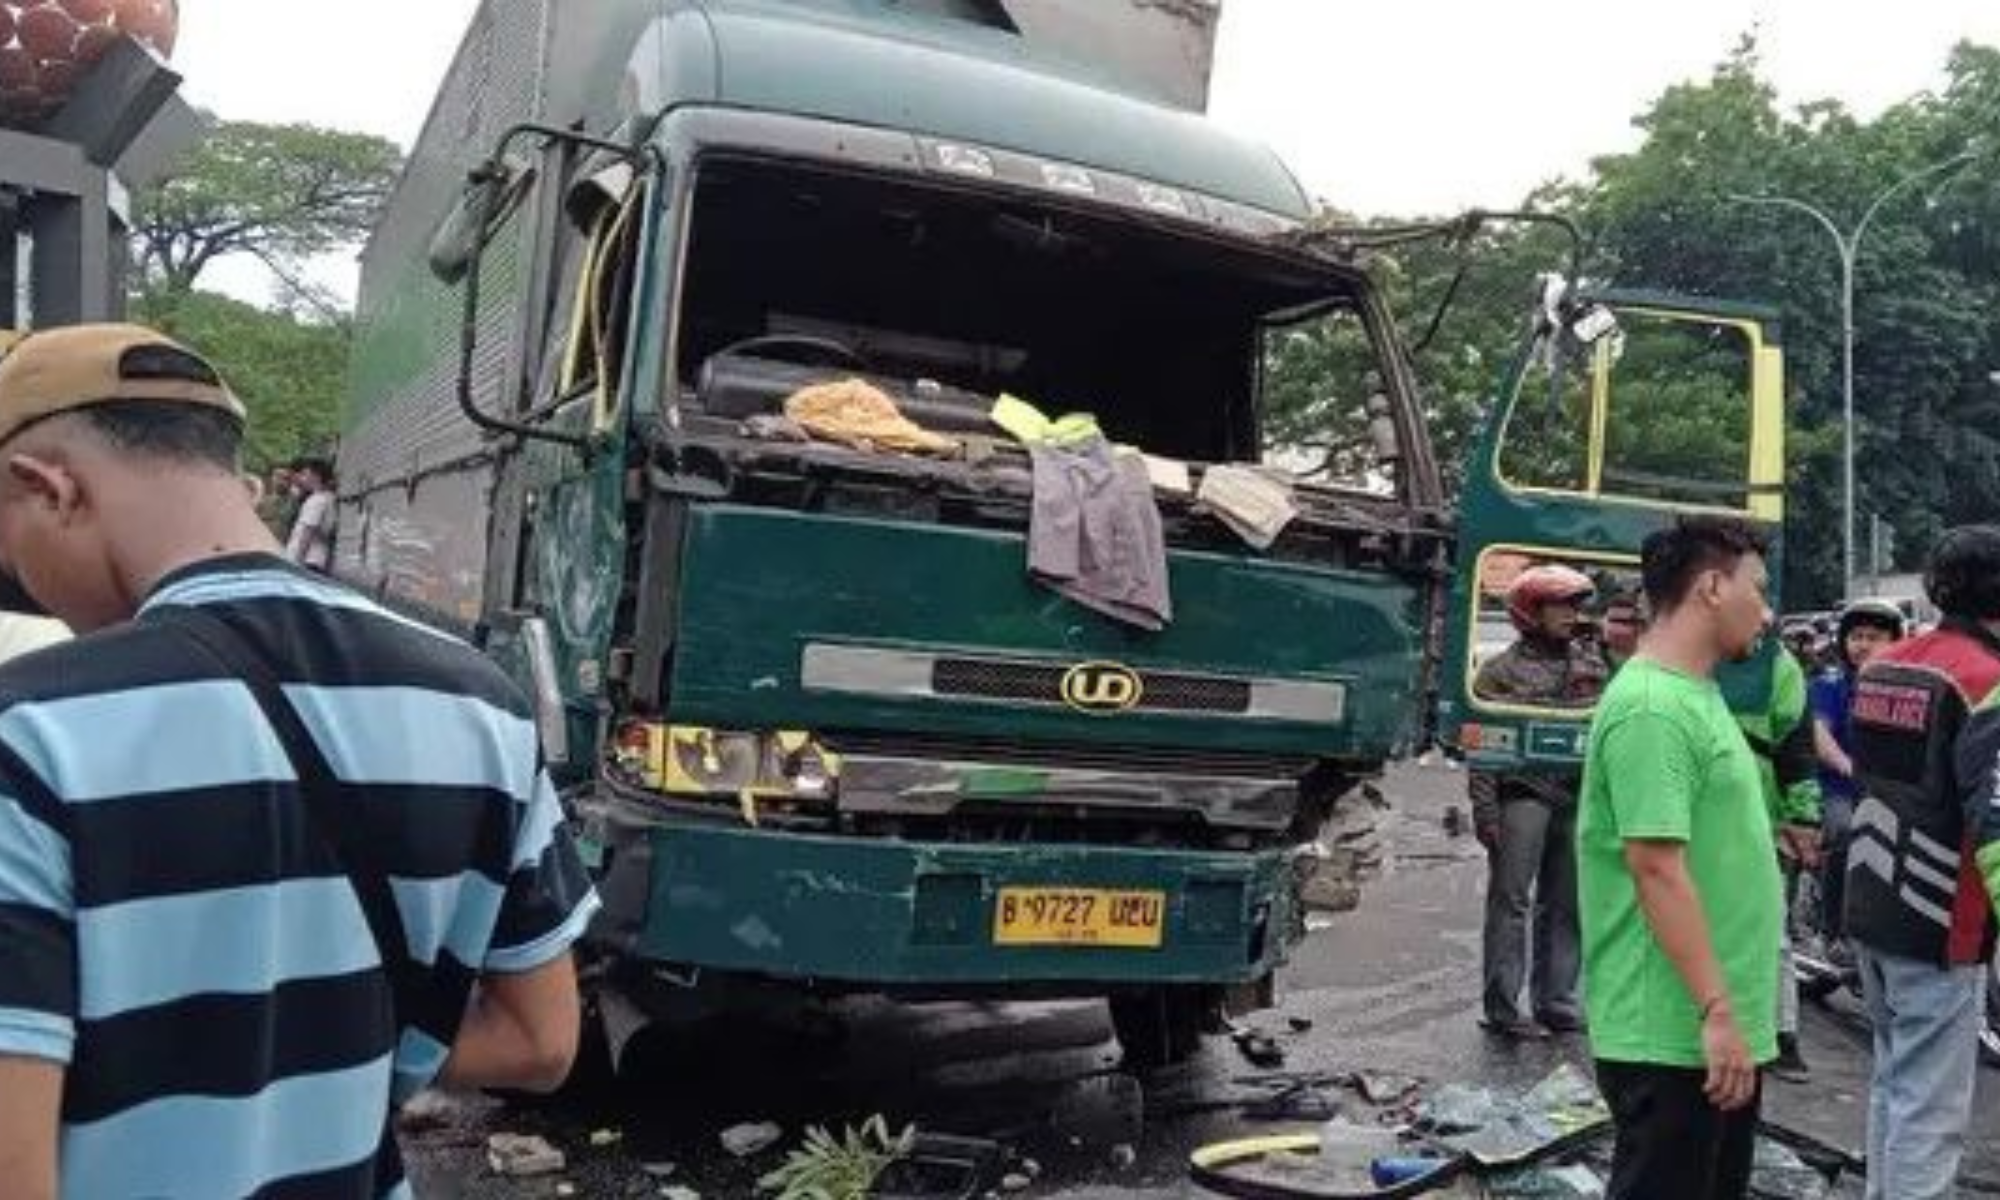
(46, 46)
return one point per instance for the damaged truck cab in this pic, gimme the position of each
(816, 721)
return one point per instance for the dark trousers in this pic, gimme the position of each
(1531, 902)
(1672, 1143)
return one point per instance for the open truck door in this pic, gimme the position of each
(1626, 411)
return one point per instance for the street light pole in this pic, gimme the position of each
(1849, 247)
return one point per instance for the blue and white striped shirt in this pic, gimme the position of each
(174, 928)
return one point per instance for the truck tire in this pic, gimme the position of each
(1159, 1028)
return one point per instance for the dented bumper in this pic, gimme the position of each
(886, 912)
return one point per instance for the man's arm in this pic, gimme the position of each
(519, 1032)
(1824, 701)
(1673, 911)
(1831, 756)
(1798, 814)
(521, 1028)
(30, 1110)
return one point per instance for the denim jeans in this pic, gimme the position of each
(1926, 1023)
(1532, 881)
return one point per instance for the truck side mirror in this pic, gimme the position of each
(492, 192)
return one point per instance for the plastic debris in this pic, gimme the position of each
(601, 1138)
(1386, 1088)
(425, 1111)
(1573, 1182)
(746, 1140)
(522, 1156)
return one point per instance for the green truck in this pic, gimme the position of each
(819, 728)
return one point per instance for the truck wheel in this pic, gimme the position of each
(1159, 1028)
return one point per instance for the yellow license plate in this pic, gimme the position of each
(1079, 917)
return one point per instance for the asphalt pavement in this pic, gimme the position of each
(1391, 989)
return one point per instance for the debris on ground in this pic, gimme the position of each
(754, 1138)
(523, 1156)
(843, 1168)
(1551, 1142)
(1386, 1089)
(1016, 1182)
(1258, 1048)
(602, 1138)
(1301, 1024)
(658, 1170)
(1123, 1156)
(1292, 1098)
(675, 1191)
(424, 1112)
(565, 1190)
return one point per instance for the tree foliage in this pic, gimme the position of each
(278, 193)
(289, 372)
(1664, 217)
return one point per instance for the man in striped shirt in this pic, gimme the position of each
(271, 858)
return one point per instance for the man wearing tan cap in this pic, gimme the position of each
(271, 857)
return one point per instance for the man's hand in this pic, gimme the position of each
(1732, 1076)
(1800, 843)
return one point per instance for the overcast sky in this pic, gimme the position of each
(1402, 106)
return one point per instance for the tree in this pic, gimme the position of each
(279, 193)
(289, 373)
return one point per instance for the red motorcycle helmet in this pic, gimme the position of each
(1540, 586)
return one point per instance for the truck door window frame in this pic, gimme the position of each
(1763, 474)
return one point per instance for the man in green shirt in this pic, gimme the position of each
(1678, 879)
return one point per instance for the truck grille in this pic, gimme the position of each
(1102, 687)
(1142, 760)
(1038, 683)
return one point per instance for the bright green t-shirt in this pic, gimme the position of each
(1667, 761)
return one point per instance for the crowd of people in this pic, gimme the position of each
(1642, 900)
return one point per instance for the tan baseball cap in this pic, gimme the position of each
(54, 371)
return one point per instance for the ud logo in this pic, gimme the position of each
(1100, 687)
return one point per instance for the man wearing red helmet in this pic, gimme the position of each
(1526, 821)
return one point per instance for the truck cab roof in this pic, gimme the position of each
(872, 62)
